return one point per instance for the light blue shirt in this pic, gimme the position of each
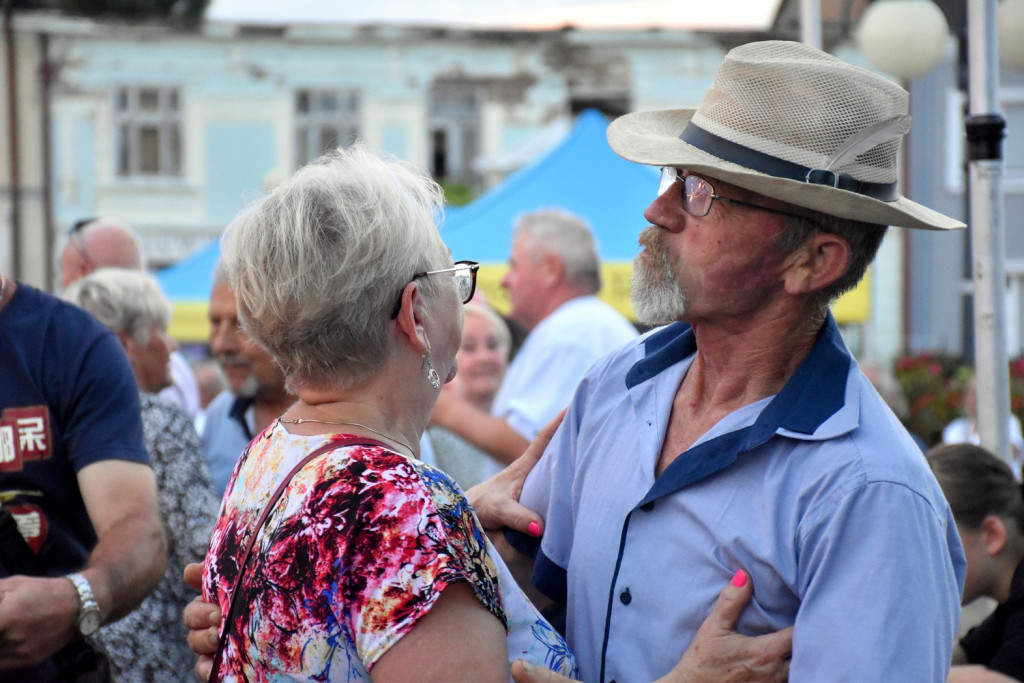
(553, 359)
(818, 493)
(225, 435)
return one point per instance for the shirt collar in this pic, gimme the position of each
(239, 407)
(816, 391)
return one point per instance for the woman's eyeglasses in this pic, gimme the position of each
(465, 281)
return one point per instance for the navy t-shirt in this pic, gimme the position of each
(68, 398)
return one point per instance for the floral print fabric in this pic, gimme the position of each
(357, 550)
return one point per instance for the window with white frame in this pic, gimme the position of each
(324, 119)
(147, 125)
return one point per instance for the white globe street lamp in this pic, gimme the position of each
(1010, 33)
(904, 38)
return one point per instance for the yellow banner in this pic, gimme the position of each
(190, 324)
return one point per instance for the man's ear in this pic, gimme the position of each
(126, 340)
(993, 531)
(411, 317)
(551, 268)
(819, 262)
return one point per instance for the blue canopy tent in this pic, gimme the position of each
(580, 175)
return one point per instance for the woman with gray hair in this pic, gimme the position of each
(149, 645)
(338, 554)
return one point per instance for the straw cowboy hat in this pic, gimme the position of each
(790, 122)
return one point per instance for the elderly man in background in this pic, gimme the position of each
(76, 478)
(255, 396)
(99, 243)
(553, 278)
(149, 645)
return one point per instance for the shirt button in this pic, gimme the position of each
(624, 597)
(648, 506)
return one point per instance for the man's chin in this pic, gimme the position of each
(247, 388)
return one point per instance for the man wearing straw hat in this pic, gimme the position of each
(740, 443)
(745, 437)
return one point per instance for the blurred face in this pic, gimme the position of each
(524, 284)
(977, 560)
(152, 361)
(482, 361)
(73, 265)
(246, 366)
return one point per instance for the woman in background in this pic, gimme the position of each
(149, 645)
(988, 506)
(483, 360)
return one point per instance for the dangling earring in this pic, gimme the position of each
(432, 376)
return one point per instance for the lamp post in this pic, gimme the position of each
(902, 56)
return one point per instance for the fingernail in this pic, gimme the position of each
(739, 579)
(533, 529)
(527, 667)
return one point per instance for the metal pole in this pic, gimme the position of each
(988, 241)
(810, 22)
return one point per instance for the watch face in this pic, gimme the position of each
(89, 622)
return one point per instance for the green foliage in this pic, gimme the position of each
(457, 194)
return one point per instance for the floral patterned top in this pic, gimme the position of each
(149, 645)
(357, 550)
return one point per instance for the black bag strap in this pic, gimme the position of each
(226, 624)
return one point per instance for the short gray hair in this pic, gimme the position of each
(318, 264)
(862, 238)
(122, 300)
(568, 237)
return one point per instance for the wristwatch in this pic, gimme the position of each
(89, 617)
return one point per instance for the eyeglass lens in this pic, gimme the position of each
(697, 192)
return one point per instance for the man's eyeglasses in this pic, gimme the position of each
(465, 281)
(75, 235)
(699, 194)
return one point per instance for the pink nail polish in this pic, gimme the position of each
(533, 529)
(739, 579)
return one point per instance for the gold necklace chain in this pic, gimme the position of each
(300, 420)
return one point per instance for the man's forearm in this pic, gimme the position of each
(127, 564)
(490, 434)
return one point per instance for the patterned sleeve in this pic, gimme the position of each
(407, 533)
(188, 500)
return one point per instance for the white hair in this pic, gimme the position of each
(318, 265)
(567, 236)
(122, 300)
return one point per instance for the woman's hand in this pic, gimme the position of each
(496, 501)
(202, 619)
(718, 654)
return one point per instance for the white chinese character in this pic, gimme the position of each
(7, 449)
(31, 434)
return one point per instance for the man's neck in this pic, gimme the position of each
(555, 301)
(735, 366)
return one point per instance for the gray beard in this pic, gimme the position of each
(249, 387)
(655, 292)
